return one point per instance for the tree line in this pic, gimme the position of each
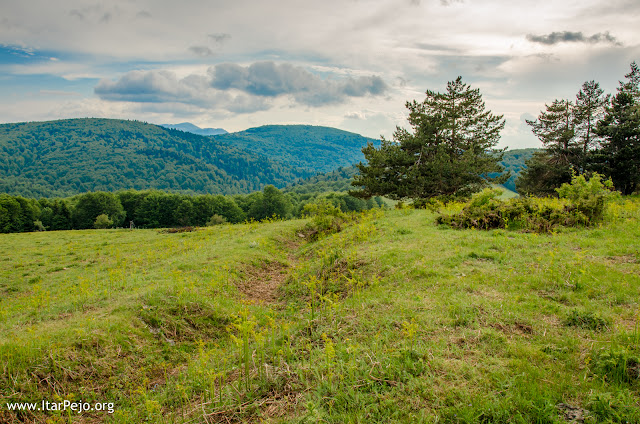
(451, 152)
(595, 132)
(159, 209)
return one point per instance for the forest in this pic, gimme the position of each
(158, 209)
(68, 157)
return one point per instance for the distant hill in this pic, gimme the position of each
(514, 161)
(67, 157)
(194, 129)
(61, 158)
(312, 148)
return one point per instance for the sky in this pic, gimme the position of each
(349, 64)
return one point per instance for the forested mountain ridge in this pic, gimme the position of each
(313, 148)
(66, 157)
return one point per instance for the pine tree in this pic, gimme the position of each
(555, 128)
(619, 156)
(449, 153)
(632, 86)
(590, 106)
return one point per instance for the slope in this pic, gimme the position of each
(391, 319)
(66, 157)
(314, 148)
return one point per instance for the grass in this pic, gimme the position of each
(392, 319)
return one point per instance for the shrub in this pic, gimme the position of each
(102, 221)
(584, 206)
(588, 197)
(326, 219)
(216, 220)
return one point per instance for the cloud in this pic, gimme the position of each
(58, 93)
(202, 51)
(220, 37)
(573, 37)
(106, 18)
(237, 89)
(206, 51)
(143, 14)
(355, 115)
(164, 87)
(268, 79)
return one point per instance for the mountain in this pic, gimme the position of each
(312, 148)
(189, 127)
(66, 157)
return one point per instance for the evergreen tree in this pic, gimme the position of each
(541, 177)
(555, 129)
(590, 106)
(632, 85)
(449, 153)
(619, 156)
(568, 133)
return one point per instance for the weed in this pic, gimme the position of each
(587, 320)
(616, 366)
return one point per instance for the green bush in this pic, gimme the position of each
(588, 197)
(102, 221)
(326, 219)
(585, 205)
(216, 220)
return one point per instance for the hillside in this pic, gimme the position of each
(391, 320)
(514, 161)
(313, 148)
(66, 157)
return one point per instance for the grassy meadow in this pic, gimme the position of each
(392, 319)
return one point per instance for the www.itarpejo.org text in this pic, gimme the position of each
(66, 405)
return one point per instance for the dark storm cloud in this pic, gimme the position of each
(268, 79)
(573, 37)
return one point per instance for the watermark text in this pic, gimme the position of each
(63, 406)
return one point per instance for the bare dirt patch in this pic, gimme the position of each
(260, 283)
(622, 259)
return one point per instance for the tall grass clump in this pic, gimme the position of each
(326, 218)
